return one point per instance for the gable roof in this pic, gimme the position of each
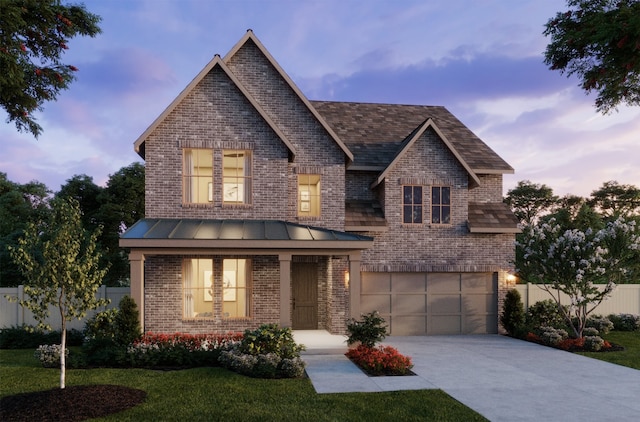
(216, 61)
(377, 132)
(412, 138)
(250, 36)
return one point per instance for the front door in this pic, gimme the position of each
(304, 280)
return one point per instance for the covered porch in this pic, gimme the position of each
(290, 251)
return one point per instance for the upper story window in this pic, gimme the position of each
(197, 176)
(412, 204)
(440, 205)
(236, 172)
(309, 195)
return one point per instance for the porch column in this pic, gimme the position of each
(136, 261)
(285, 290)
(354, 284)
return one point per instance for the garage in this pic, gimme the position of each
(433, 303)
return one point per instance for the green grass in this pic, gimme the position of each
(206, 394)
(630, 356)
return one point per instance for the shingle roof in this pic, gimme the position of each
(492, 218)
(375, 132)
(364, 216)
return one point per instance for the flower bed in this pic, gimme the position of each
(179, 350)
(381, 360)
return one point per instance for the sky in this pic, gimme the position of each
(481, 59)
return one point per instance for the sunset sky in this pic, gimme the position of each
(481, 59)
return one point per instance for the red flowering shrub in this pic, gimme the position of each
(381, 360)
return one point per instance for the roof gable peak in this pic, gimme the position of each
(411, 140)
(216, 61)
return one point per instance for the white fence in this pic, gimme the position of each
(625, 298)
(12, 314)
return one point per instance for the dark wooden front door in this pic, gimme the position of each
(304, 280)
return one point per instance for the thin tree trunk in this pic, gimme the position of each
(63, 345)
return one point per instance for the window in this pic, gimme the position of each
(236, 292)
(412, 204)
(201, 284)
(236, 187)
(198, 288)
(309, 195)
(440, 205)
(197, 176)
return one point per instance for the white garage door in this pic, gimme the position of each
(433, 303)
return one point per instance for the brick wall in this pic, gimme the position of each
(163, 293)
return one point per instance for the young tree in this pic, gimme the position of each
(573, 262)
(33, 37)
(530, 200)
(59, 261)
(598, 40)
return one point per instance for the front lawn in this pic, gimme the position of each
(630, 356)
(206, 394)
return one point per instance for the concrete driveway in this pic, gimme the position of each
(499, 377)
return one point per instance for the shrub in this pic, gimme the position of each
(552, 336)
(127, 325)
(593, 343)
(29, 337)
(179, 350)
(602, 324)
(625, 322)
(590, 331)
(270, 338)
(368, 331)
(267, 352)
(49, 355)
(513, 316)
(545, 314)
(382, 360)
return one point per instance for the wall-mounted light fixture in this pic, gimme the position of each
(346, 279)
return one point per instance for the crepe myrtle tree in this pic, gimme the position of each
(60, 263)
(584, 265)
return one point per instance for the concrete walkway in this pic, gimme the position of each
(499, 377)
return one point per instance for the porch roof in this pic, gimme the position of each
(268, 234)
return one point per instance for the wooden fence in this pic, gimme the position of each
(12, 314)
(625, 299)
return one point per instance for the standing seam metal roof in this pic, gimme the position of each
(159, 228)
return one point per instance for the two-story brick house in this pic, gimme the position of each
(263, 206)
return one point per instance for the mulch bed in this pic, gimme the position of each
(75, 403)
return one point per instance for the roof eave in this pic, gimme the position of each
(246, 244)
(495, 230)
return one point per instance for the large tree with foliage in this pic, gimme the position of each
(584, 265)
(33, 37)
(529, 201)
(599, 41)
(121, 205)
(19, 205)
(60, 262)
(613, 199)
